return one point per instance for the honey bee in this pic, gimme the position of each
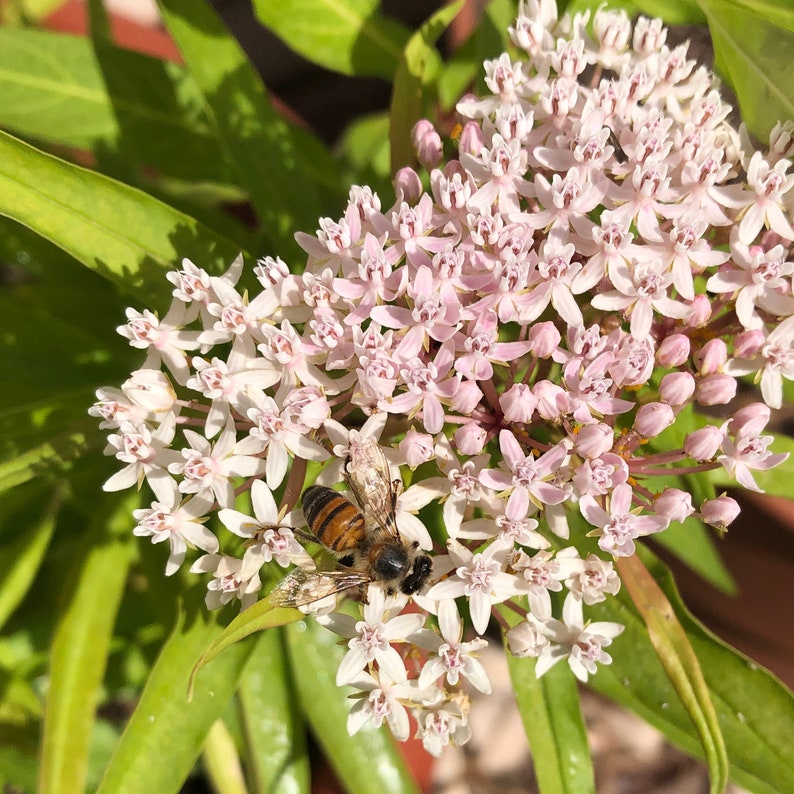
(365, 535)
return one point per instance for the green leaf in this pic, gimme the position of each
(418, 62)
(118, 231)
(348, 36)
(20, 560)
(273, 729)
(69, 433)
(755, 711)
(80, 648)
(254, 136)
(679, 662)
(553, 722)
(140, 109)
(164, 736)
(222, 762)
(754, 53)
(258, 617)
(366, 763)
(692, 542)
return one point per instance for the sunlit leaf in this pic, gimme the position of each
(262, 615)
(679, 662)
(142, 109)
(255, 137)
(366, 763)
(754, 53)
(118, 231)
(553, 722)
(222, 761)
(273, 727)
(348, 36)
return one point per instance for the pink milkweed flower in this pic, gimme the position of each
(619, 527)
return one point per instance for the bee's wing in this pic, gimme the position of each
(301, 588)
(367, 474)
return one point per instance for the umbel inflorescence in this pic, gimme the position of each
(604, 252)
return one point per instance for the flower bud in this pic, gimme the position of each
(653, 418)
(407, 185)
(470, 438)
(594, 440)
(543, 339)
(471, 139)
(750, 420)
(467, 396)
(427, 143)
(552, 399)
(711, 357)
(673, 504)
(748, 343)
(151, 390)
(716, 389)
(703, 444)
(720, 512)
(700, 312)
(673, 351)
(677, 388)
(518, 403)
(417, 448)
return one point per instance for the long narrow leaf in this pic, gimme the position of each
(553, 723)
(272, 725)
(222, 761)
(366, 763)
(258, 617)
(164, 736)
(254, 136)
(52, 89)
(118, 231)
(80, 650)
(348, 36)
(679, 661)
(20, 560)
(755, 711)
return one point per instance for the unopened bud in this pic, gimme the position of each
(677, 388)
(407, 185)
(518, 403)
(471, 139)
(653, 418)
(673, 504)
(427, 144)
(747, 344)
(673, 351)
(417, 448)
(720, 512)
(716, 389)
(711, 357)
(470, 438)
(543, 339)
(750, 420)
(594, 440)
(151, 390)
(552, 399)
(700, 311)
(703, 444)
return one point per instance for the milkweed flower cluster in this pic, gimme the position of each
(604, 251)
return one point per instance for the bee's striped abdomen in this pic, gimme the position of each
(336, 522)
